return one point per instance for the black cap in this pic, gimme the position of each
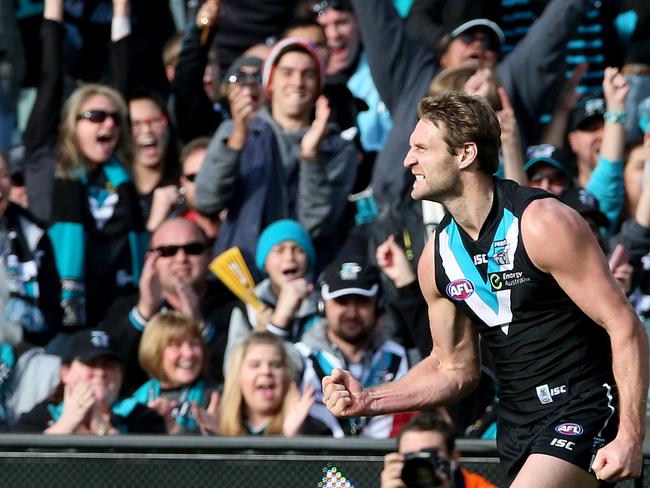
(485, 25)
(349, 276)
(585, 204)
(551, 155)
(89, 344)
(586, 111)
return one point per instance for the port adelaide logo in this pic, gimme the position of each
(460, 289)
(569, 428)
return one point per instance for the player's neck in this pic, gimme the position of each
(471, 207)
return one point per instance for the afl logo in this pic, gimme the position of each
(569, 428)
(460, 289)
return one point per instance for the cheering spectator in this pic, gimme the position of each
(91, 377)
(284, 164)
(92, 202)
(290, 306)
(259, 395)
(349, 336)
(173, 352)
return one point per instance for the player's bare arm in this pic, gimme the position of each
(449, 373)
(575, 260)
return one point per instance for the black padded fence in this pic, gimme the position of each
(246, 462)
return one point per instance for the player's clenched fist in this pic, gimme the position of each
(344, 396)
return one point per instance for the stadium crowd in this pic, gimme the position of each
(138, 143)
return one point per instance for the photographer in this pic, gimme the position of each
(427, 441)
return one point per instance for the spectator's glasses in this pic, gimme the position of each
(99, 116)
(485, 40)
(245, 78)
(319, 7)
(190, 177)
(191, 249)
(157, 123)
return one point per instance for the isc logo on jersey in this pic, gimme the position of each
(569, 428)
(460, 289)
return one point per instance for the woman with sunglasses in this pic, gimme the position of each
(76, 180)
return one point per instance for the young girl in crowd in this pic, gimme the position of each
(173, 353)
(76, 180)
(290, 305)
(260, 396)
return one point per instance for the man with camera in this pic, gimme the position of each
(427, 456)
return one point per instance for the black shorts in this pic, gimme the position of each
(572, 432)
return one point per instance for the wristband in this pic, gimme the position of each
(615, 116)
(274, 329)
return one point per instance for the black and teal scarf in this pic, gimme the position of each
(79, 207)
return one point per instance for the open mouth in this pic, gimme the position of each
(267, 390)
(105, 137)
(291, 273)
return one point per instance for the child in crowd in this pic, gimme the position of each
(260, 396)
(173, 353)
(290, 306)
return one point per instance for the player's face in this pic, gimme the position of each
(434, 168)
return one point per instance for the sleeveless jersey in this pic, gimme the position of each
(542, 345)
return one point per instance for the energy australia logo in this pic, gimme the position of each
(505, 280)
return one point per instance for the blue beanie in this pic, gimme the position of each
(279, 231)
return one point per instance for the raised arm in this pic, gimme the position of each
(580, 268)
(449, 373)
(534, 69)
(41, 133)
(194, 111)
(395, 59)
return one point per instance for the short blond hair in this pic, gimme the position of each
(163, 329)
(453, 80)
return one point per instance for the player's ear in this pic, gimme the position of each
(468, 154)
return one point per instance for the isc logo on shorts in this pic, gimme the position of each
(460, 289)
(563, 443)
(569, 428)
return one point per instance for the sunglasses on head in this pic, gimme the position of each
(99, 116)
(245, 78)
(470, 37)
(191, 249)
(319, 7)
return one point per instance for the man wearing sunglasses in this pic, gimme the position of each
(174, 277)
(403, 69)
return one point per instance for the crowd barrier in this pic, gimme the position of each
(232, 462)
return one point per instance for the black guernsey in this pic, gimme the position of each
(544, 348)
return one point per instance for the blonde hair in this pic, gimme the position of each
(453, 81)
(163, 329)
(232, 406)
(70, 161)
